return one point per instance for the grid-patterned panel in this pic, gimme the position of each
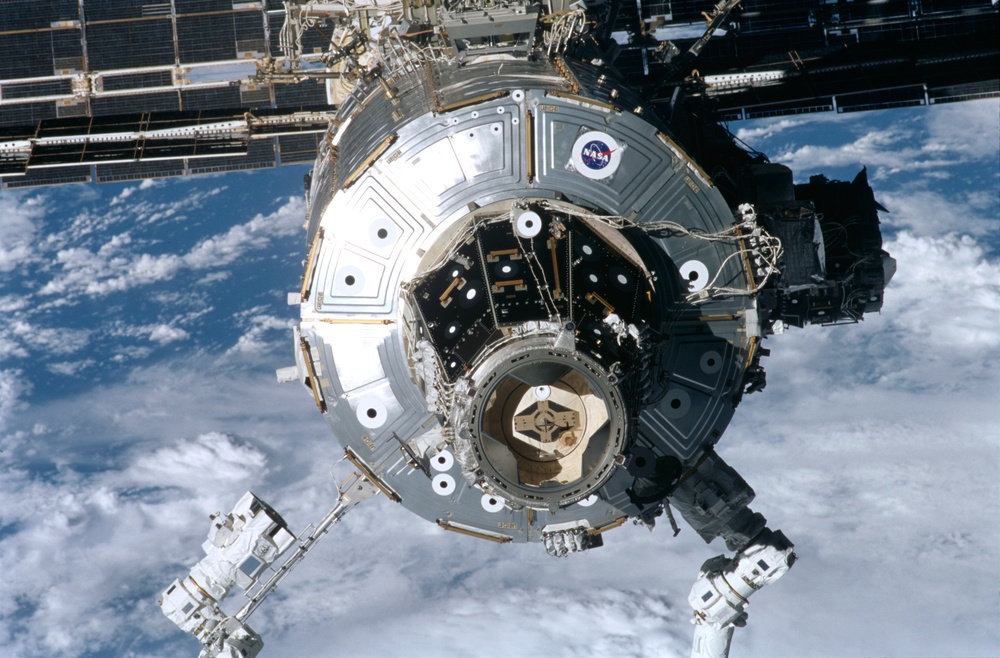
(77, 109)
(37, 89)
(206, 38)
(110, 10)
(139, 170)
(772, 15)
(201, 6)
(134, 104)
(32, 14)
(305, 94)
(137, 81)
(130, 44)
(260, 156)
(26, 55)
(250, 33)
(298, 148)
(27, 114)
(868, 10)
(61, 176)
(210, 99)
(67, 50)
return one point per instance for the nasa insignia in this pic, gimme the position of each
(596, 155)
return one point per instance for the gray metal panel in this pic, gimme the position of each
(560, 122)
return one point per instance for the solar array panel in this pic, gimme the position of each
(62, 60)
(67, 58)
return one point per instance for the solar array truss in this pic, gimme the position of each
(132, 70)
(112, 90)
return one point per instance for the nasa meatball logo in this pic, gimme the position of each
(596, 155)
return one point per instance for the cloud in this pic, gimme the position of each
(124, 194)
(84, 563)
(866, 448)
(164, 334)
(184, 463)
(967, 128)
(19, 337)
(223, 249)
(12, 387)
(159, 333)
(253, 340)
(19, 228)
(922, 143)
(937, 213)
(71, 368)
(112, 269)
(886, 151)
(513, 621)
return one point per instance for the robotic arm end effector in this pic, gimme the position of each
(719, 596)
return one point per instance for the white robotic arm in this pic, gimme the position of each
(720, 595)
(240, 548)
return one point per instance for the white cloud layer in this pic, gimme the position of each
(114, 267)
(12, 386)
(18, 229)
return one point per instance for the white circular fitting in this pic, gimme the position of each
(588, 501)
(528, 224)
(596, 155)
(491, 503)
(372, 414)
(382, 232)
(517, 95)
(442, 461)
(542, 392)
(349, 281)
(676, 403)
(443, 484)
(695, 273)
(711, 363)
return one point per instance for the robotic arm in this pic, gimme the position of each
(240, 548)
(714, 499)
(719, 596)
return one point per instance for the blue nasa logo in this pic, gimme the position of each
(596, 155)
